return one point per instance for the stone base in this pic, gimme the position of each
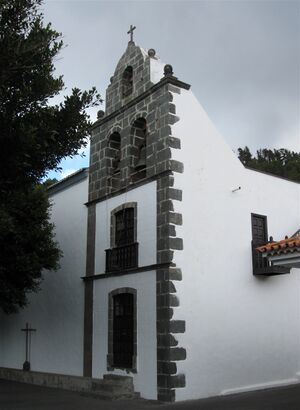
(111, 387)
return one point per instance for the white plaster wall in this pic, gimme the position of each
(145, 284)
(145, 196)
(242, 332)
(57, 310)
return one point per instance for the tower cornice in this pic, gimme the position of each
(165, 80)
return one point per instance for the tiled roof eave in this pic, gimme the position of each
(287, 245)
(282, 251)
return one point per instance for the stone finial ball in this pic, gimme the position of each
(151, 52)
(168, 69)
(100, 114)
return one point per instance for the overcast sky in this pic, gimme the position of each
(242, 58)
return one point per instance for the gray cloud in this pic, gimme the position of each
(242, 58)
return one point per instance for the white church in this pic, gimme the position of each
(161, 280)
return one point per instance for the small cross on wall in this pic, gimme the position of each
(28, 330)
(130, 31)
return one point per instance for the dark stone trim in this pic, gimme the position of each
(165, 80)
(88, 329)
(172, 381)
(146, 268)
(88, 293)
(110, 358)
(168, 351)
(133, 185)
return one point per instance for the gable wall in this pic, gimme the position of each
(242, 332)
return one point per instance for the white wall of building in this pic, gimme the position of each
(57, 310)
(145, 283)
(242, 332)
(145, 197)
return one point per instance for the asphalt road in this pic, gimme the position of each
(20, 396)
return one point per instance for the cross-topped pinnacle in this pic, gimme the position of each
(130, 31)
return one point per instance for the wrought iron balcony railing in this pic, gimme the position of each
(261, 265)
(122, 257)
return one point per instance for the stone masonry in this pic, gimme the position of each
(153, 103)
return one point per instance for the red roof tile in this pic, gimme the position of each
(291, 244)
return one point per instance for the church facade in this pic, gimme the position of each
(161, 278)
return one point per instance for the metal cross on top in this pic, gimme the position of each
(28, 330)
(131, 32)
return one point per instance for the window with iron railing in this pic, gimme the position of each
(124, 254)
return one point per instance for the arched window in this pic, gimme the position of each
(114, 145)
(127, 81)
(139, 146)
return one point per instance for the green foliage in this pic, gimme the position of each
(49, 182)
(35, 137)
(281, 162)
(27, 245)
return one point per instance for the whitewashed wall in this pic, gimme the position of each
(57, 310)
(242, 332)
(145, 283)
(145, 196)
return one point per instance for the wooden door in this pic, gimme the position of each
(123, 328)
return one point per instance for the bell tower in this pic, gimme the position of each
(132, 145)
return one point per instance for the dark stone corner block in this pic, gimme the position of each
(176, 243)
(176, 166)
(166, 367)
(175, 274)
(177, 326)
(171, 382)
(165, 256)
(165, 394)
(177, 353)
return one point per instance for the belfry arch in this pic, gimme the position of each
(127, 81)
(114, 154)
(139, 147)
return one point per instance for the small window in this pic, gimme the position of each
(127, 82)
(259, 237)
(259, 228)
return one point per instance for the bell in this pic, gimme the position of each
(142, 158)
(116, 162)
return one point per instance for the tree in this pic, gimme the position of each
(281, 162)
(35, 137)
(49, 182)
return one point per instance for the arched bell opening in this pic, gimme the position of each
(127, 82)
(114, 154)
(139, 148)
